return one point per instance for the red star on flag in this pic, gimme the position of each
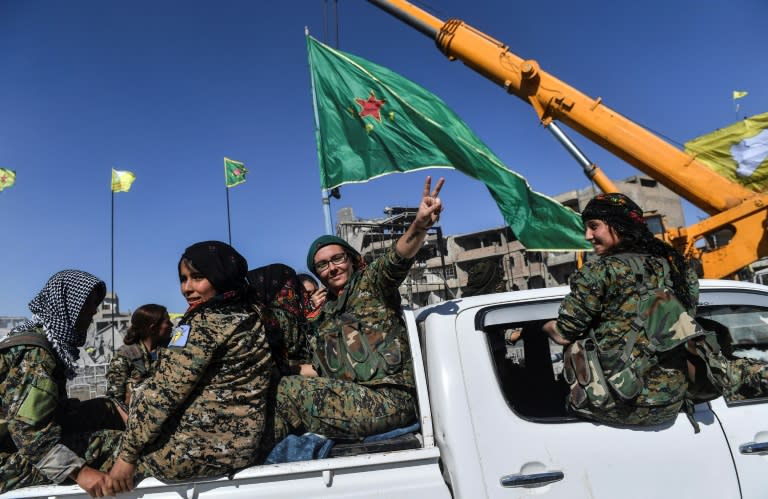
(371, 106)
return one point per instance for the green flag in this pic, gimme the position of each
(234, 172)
(7, 178)
(738, 152)
(373, 122)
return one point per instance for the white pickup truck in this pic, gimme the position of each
(493, 422)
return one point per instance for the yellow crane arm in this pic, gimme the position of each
(554, 100)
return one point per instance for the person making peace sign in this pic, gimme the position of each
(360, 352)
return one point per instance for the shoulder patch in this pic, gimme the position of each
(180, 336)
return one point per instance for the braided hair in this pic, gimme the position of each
(626, 218)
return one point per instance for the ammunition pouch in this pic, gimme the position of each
(354, 352)
(582, 371)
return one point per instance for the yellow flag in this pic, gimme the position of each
(122, 180)
(7, 178)
(738, 152)
(738, 94)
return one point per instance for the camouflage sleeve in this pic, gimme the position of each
(118, 375)
(296, 332)
(30, 401)
(693, 285)
(179, 369)
(583, 304)
(387, 273)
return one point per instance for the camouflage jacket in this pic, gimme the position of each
(360, 335)
(288, 337)
(33, 391)
(130, 365)
(208, 389)
(604, 299)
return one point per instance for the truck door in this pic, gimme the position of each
(527, 444)
(741, 321)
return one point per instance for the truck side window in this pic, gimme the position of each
(742, 332)
(528, 367)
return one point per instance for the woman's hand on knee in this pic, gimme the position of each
(121, 476)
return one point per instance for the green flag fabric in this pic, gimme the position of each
(373, 122)
(7, 178)
(738, 152)
(234, 172)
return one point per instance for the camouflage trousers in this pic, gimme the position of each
(626, 415)
(340, 410)
(179, 453)
(172, 461)
(82, 424)
(753, 379)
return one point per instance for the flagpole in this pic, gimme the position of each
(229, 225)
(112, 270)
(324, 193)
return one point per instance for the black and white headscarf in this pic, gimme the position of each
(57, 307)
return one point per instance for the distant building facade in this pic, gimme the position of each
(96, 354)
(660, 204)
(443, 264)
(9, 322)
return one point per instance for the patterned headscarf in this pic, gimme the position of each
(220, 263)
(56, 309)
(615, 209)
(276, 288)
(277, 285)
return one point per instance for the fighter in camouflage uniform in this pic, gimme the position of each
(131, 364)
(603, 299)
(44, 437)
(202, 411)
(751, 374)
(277, 291)
(360, 349)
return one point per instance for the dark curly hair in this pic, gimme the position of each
(638, 239)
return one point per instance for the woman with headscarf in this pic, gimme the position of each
(45, 437)
(201, 413)
(603, 304)
(313, 296)
(150, 329)
(484, 277)
(276, 289)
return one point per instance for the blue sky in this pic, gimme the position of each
(167, 89)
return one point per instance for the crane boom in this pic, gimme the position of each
(731, 206)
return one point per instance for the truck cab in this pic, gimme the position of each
(509, 402)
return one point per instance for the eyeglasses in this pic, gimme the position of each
(336, 259)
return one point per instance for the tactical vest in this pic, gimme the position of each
(32, 339)
(352, 351)
(602, 379)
